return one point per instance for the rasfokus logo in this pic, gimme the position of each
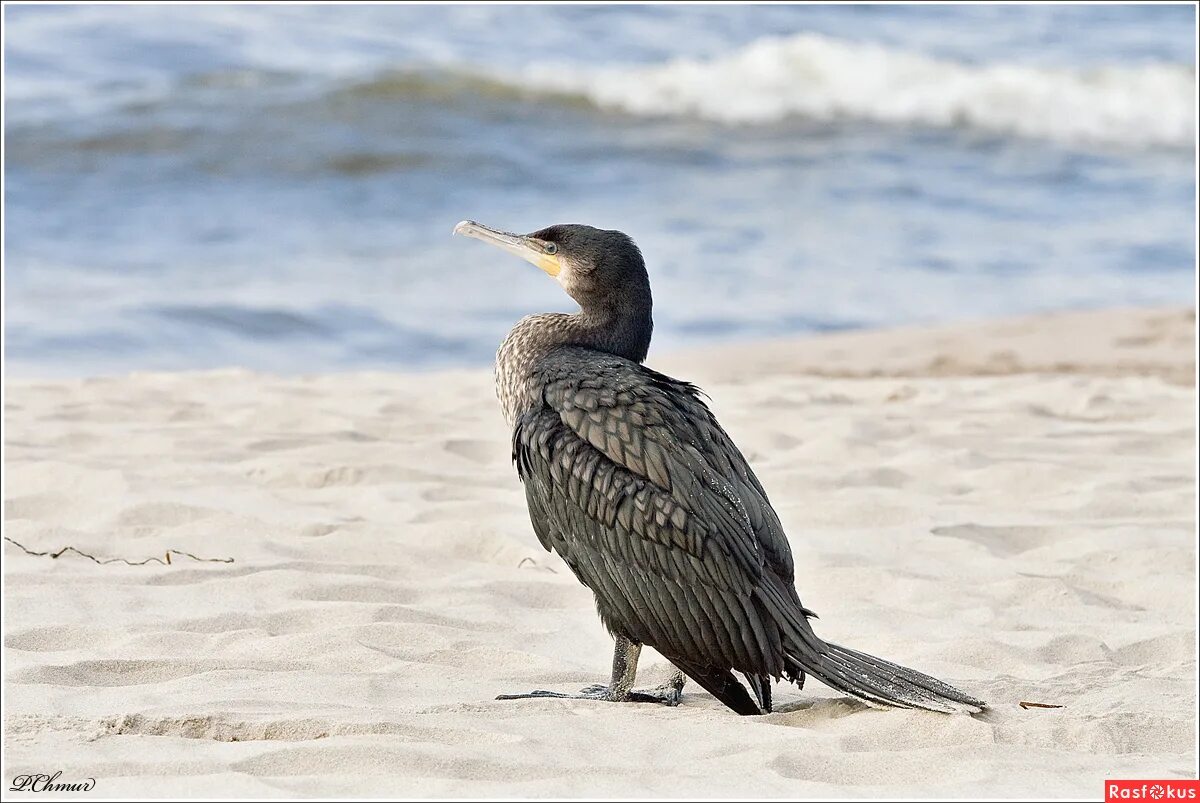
(1151, 790)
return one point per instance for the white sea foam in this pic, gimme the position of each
(824, 78)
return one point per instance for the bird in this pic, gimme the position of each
(631, 480)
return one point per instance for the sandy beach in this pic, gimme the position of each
(1007, 505)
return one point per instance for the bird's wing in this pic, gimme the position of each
(636, 415)
(632, 481)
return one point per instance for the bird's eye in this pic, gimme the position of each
(551, 248)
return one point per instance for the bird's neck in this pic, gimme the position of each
(620, 329)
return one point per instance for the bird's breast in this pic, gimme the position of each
(517, 386)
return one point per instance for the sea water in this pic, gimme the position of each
(275, 186)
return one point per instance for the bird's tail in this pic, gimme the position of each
(878, 682)
(873, 680)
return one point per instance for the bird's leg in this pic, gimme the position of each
(620, 688)
(624, 672)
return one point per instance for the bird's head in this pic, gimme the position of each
(599, 268)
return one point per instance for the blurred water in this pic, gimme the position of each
(275, 187)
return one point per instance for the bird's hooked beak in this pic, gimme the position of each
(538, 252)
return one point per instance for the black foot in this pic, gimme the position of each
(669, 693)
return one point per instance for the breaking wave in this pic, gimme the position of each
(826, 79)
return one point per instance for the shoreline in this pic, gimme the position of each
(1139, 341)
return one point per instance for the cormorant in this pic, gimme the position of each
(632, 481)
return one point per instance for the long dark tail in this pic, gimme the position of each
(865, 677)
(881, 683)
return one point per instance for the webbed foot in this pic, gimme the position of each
(669, 693)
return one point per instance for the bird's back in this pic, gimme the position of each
(632, 481)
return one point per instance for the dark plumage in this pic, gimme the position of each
(632, 481)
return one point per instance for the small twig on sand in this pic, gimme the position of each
(1026, 705)
(165, 560)
(536, 565)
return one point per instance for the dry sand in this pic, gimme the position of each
(1009, 506)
